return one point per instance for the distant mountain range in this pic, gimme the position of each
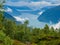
(37, 17)
(16, 10)
(51, 15)
(10, 17)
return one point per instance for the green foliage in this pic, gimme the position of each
(2, 36)
(36, 36)
(8, 41)
(4, 40)
(22, 34)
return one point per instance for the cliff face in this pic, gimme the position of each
(50, 15)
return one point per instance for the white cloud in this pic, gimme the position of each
(29, 15)
(56, 25)
(24, 3)
(20, 3)
(24, 10)
(32, 5)
(41, 4)
(8, 10)
(54, 1)
(18, 18)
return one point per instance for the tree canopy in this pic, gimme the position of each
(22, 34)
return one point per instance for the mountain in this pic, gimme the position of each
(18, 7)
(27, 12)
(51, 15)
(13, 10)
(18, 10)
(8, 16)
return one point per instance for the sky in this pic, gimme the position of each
(34, 8)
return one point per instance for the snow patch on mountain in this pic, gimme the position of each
(40, 13)
(56, 25)
(8, 10)
(18, 18)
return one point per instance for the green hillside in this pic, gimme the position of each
(13, 34)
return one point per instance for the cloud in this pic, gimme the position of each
(20, 3)
(55, 1)
(24, 10)
(26, 3)
(41, 4)
(32, 5)
(29, 15)
(8, 10)
(13, 0)
(18, 18)
(32, 20)
(56, 25)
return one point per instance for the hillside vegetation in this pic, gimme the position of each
(20, 34)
